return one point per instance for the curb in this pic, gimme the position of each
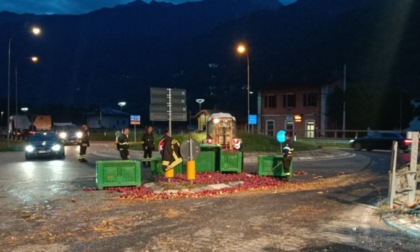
(406, 230)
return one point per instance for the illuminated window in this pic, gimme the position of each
(310, 129)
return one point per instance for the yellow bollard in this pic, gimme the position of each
(191, 170)
(170, 173)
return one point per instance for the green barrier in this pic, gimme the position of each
(209, 158)
(272, 165)
(231, 161)
(118, 173)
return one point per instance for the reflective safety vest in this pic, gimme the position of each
(171, 154)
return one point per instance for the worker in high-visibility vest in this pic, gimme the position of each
(83, 143)
(171, 155)
(123, 145)
(148, 142)
(287, 154)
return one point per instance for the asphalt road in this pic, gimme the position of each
(43, 208)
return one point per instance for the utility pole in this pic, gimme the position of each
(344, 100)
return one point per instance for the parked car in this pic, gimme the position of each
(68, 133)
(44, 145)
(381, 141)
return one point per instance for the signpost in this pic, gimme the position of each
(167, 104)
(135, 120)
(252, 119)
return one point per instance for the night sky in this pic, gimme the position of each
(72, 7)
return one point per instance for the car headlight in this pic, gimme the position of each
(79, 134)
(56, 147)
(63, 135)
(29, 148)
(351, 141)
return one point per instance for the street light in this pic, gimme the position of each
(25, 109)
(36, 31)
(199, 101)
(122, 104)
(35, 60)
(242, 49)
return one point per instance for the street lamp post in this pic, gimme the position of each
(122, 104)
(242, 49)
(34, 59)
(199, 101)
(36, 31)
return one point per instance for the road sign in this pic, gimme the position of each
(158, 91)
(281, 136)
(190, 149)
(179, 117)
(252, 119)
(135, 119)
(160, 100)
(160, 96)
(167, 104)
(158, 117)
(178, 92)
(156, 108)
(162, 117)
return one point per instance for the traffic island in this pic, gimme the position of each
(206, 184)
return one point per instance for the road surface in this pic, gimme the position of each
(43, 208)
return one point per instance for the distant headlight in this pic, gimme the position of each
(56, 147)
(63, 135)
(351, 141)
(79, 134)
(29, 148)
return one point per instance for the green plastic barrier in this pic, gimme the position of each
(272, 165)
(231, 161)
(209, 158)
(118, 173)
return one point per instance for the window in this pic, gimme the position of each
(289, 100)
(310, 100)
(270, 127)
(310, 129)
(270, 101)
(289, 126)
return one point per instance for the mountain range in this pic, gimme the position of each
(114, 54)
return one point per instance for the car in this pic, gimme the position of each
(68, 133)
(381, 141)
(44, 145)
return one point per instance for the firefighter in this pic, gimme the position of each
(147, 140)
(287, 155)
(83, 143)
(171, 155)
(123, 145)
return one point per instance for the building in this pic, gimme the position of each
(108, 119)
(300, 110)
